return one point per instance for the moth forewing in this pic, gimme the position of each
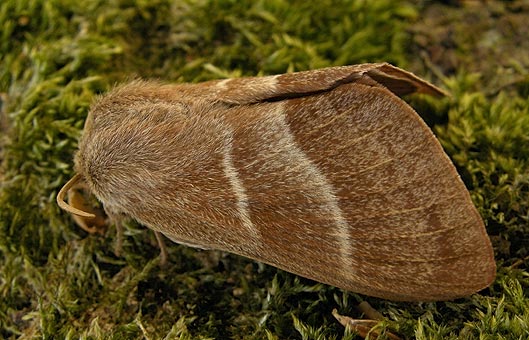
(378, 207)
(257, 89)
(325, 173)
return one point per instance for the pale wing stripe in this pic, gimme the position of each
(345, 146)
(238, 189)
(341, 229)
(223, 84)
(267, 82)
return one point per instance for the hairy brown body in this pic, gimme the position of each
(325, 173)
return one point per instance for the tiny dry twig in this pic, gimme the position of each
(369, 311)
(518, 262)
(364, 328)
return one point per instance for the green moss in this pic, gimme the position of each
(58, 282)
(487, 138)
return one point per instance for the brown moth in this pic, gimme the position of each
(327, 174)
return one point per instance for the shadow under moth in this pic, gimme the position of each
(327, 174)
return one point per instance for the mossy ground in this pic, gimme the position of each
(57, 282)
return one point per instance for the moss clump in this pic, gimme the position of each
(58, 282)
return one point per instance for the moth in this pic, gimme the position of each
(326, 174)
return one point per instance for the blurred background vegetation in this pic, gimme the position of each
(56, 281)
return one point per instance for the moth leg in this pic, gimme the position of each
(364, 328)
(118, 247)
(116, 219)
(163, 248)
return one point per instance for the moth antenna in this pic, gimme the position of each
(65, 206)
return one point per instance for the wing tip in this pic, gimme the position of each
(402, 82)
